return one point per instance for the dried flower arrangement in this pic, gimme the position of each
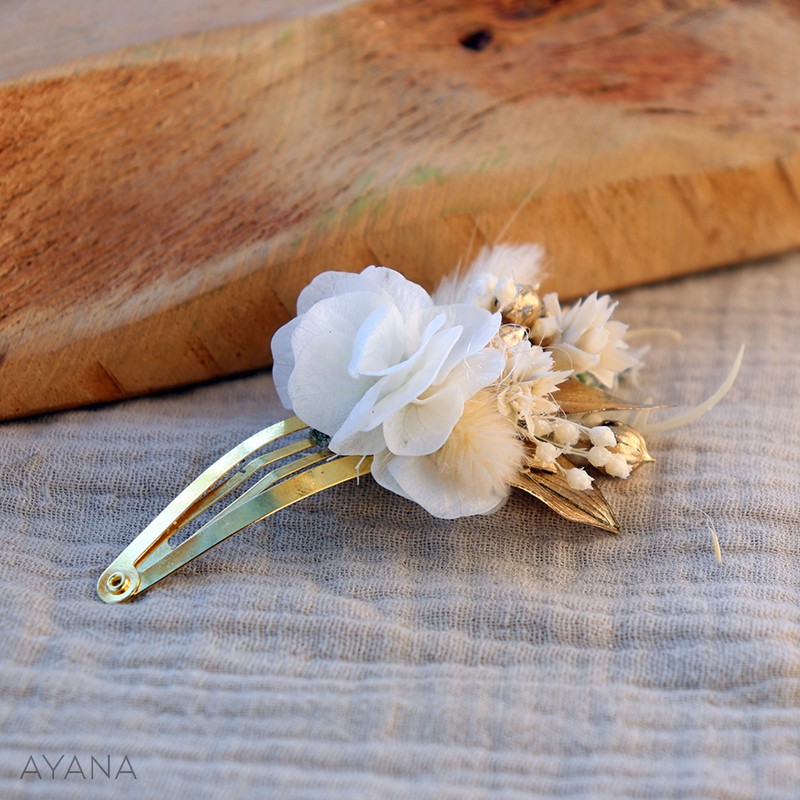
(450, 400)
(458, 397)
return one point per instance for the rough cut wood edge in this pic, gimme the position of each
(697, 188)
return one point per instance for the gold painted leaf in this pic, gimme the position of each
(576, 397)
(588, 507)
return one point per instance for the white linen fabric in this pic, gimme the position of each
(355, 647)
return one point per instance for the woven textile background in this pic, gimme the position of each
(354, 647)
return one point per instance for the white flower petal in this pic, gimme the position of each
(382, 475)
(404, 387)
(361, 443)
(545, 328)
(478, 328)
(388, 283)
(378, 344)
(418, 478)
(568, 357)
(344, 435)
(316, 371)
(423, 426)
(594, 339)
(505, 292)
(330, 284)
(390, 393)
(419, 331)
(283, 360)
(476, 371)
(406, 295)
(342, 315)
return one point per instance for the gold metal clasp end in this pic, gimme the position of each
(298, 469)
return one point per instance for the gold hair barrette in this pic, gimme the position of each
(448, 400)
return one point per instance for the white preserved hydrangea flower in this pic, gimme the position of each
(584, 338)
(374, 364)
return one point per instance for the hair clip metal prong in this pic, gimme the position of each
(150, 557)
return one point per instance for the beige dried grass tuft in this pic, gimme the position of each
(483, 449)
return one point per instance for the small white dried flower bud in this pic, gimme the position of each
(546, 452)
(602, 436)
(598, 456)
(578, 479)
(630, 444)
(566, 433)
(617, 466)
(542, 427)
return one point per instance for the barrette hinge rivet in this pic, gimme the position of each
(117, 584)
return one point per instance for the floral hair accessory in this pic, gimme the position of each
(460, 396)
(450, 400)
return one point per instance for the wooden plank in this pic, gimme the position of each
(163, 205)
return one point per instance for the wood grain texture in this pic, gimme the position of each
(163, 205)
